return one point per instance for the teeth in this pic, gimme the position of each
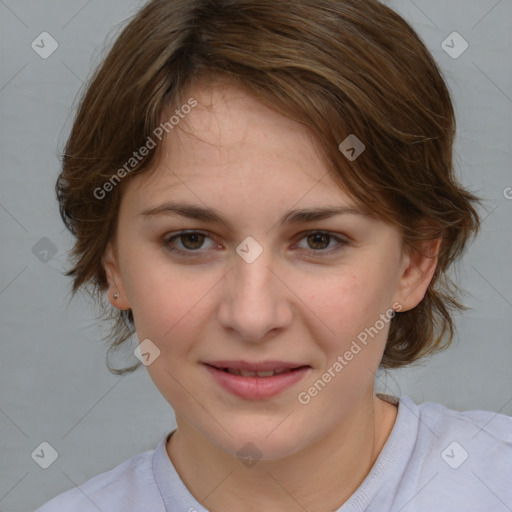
(266, 374)
(248, 373)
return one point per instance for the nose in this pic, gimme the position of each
(255, 302)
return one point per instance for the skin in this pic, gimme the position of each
(253, 165)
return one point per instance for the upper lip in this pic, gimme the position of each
(260, 366)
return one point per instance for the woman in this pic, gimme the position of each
(264, 192)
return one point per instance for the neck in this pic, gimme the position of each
(318, 478)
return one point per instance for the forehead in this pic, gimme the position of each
(232, 148)
(229, 127)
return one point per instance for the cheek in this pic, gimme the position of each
(167, 300)
(349, 307)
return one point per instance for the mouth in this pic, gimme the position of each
(256, 380)
(256, 369)
(249, 373)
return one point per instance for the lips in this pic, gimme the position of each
(250, 369)
(256, 380)
(249, 373)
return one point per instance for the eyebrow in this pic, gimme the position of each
(192, 211)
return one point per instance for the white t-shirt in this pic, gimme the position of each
(435, 460)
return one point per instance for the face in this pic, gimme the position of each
(260, 289)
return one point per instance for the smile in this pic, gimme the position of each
(248, 373)
(256, 381)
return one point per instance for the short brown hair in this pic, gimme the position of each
(338, 67)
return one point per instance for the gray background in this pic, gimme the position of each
(54, 382)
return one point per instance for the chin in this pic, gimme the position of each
(263, 443)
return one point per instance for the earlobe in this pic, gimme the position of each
(417, 275)
(116, 293)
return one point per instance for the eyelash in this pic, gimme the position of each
(190, 253)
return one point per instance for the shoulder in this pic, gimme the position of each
(482, 434)
(493, 424)
(129, 486)
(460, 457)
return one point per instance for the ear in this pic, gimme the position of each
(417, 272)
(114, 279)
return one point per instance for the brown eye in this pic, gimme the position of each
(192, 241)
(318, 241)
(187, 243)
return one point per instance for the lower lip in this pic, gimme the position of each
(257, 388)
